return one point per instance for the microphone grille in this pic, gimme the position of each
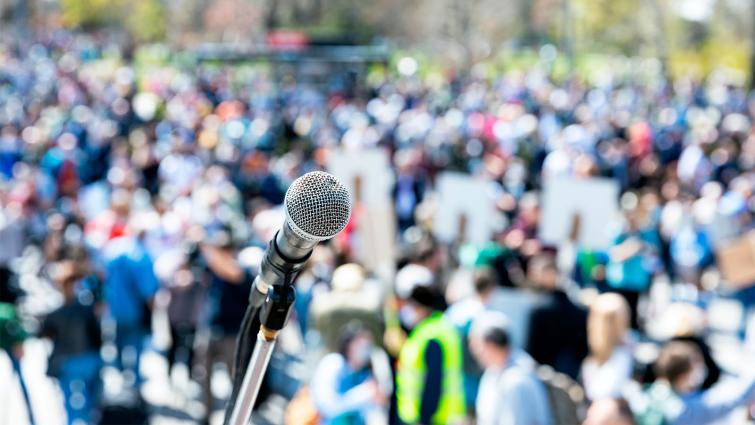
(317, 206)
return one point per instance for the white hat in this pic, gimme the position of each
(410, 276)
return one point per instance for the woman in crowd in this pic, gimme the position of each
(609, 365)
(344, 388)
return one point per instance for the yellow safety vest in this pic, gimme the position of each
(410, 376)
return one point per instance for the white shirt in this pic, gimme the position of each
(607, 380)
(512, 395)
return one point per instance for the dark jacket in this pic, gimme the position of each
(74, 329)
(558, 333)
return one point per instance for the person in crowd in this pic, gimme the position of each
(409, 188)
(343, 387)
(633, 258)
(676, 396)
(187, 296)
(609, 411)
(313, 280)
(12, 336)
(254, 179)
(351, 297)
(686, 322)
(609, 366)
(76, 339)
(562, 347)
(422, 251)
(229, 287)
(461, 314)
(129, 290)
(510, 392)
(429, 375)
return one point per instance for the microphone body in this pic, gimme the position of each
(287, 253)
(284, 258)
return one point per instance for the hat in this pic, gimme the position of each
(409, 277)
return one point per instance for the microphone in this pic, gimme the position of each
(317, 208)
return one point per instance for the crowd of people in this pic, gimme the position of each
(154, 189)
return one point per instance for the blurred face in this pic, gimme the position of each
(543, 275)
(410, 313)
(692, 380)
(359, 351)
(486, 354)
(550, 277)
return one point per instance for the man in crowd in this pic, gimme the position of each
(429, 378)
(509, 392)
(351, 298)
(130, 287)
(74, 330)
(558, 326)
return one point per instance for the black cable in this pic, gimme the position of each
(245, 343)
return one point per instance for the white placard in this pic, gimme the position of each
(593, 200)
(465, 205)
(366, 174)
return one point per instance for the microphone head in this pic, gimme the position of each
(317, 206)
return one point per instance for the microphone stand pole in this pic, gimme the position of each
(273, 317)
(270, 306)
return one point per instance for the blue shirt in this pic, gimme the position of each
(130, 280)
(636, 272)
(715, 405)
(341, 394)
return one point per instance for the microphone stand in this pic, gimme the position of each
(270, 306)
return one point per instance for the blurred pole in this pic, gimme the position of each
(660, 25)
(567, 36)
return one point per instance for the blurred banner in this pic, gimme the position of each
(465, 209)
(737, 261)
(368, 176)
(582, 210)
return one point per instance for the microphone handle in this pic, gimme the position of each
(292, 246)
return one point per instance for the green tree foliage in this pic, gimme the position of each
(144, 20)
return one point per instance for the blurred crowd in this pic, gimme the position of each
(151, 192)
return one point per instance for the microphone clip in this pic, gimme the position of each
(276, 308)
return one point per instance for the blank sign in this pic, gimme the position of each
(466, 209)
(583, 210)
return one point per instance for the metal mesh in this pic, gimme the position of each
(317, 206)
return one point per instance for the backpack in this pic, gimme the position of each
(565, 396)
